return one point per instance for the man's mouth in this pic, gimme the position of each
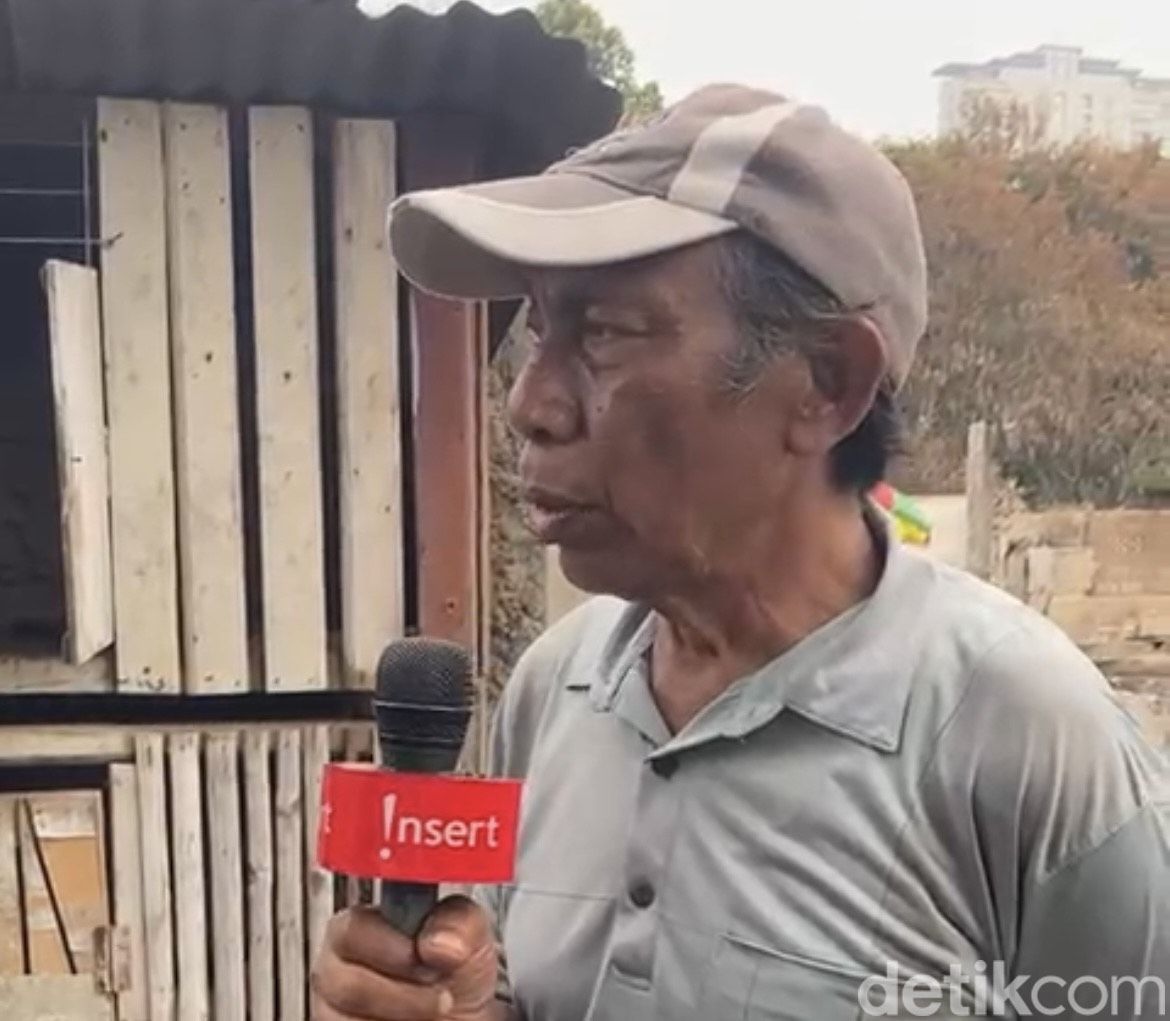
(554, 517)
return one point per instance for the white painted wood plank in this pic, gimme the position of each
(44, 675)
(318, 882)
(190, 890)
(154, 848)
(66, 815)
(284, 281)
(207, 435)
(54, 998)
(95, 744)
(370, 485)
(261, 947)
(126, 860)
(11, 946)
(229, 997)
(135, 325)
(75, 346)
(290, 881)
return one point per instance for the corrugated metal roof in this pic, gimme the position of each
(322, 53)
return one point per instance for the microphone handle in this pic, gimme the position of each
(406, 905)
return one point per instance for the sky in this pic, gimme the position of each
(869, 62)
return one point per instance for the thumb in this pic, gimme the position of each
(456, 931)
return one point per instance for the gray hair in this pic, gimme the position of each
(780, 309)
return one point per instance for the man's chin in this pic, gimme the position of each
(600, 571)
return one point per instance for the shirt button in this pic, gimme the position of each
(665, 766)
(642, 895)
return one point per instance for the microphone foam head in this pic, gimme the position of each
(422, 702)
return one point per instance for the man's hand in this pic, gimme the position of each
(366, 971)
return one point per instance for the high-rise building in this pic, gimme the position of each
(1063, 94)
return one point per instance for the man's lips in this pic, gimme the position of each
(552, 500)
(555, 516)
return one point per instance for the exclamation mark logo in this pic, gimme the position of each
(389, 806)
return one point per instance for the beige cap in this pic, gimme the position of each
(724, 158)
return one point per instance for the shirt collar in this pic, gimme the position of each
(852, 676)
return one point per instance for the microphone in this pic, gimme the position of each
(411, 823)
(422, 705)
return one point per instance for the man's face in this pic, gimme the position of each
(639, 460)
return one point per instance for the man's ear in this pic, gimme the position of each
(846, 369)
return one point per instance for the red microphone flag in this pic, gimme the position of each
(417, 828)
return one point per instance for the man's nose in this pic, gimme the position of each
(543, 406)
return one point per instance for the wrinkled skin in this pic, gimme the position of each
(665, 478)
(663, 484)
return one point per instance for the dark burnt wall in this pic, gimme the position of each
(40, 158)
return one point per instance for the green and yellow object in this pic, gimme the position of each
(910, 523)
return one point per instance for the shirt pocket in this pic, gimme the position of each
(748, 982)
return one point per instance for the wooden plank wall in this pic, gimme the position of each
(45, 675)
(190, 890)
(126, 869)
(369, 441)
(207, 433)
(261, 951)
(135, 321)
(175, 467)
(287, 397)
(154, 852)
(290, 901)
(12, 960)
(178, 159)
(225, 843)
(82, 466)
(56, 997)
(263, 930)
(319, 899)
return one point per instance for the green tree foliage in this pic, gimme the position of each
(1049, 318)
(610, 56)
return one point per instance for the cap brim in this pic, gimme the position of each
(477, 241)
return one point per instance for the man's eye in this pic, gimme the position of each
(598, 333)
(596, 337)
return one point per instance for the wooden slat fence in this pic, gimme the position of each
(184, 450)
(249, 892)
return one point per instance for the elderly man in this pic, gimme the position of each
(783, 756)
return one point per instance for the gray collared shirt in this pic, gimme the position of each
(937, 782)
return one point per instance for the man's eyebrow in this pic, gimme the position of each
(575, 295)
(585, 296)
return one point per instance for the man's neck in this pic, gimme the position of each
(725, 626)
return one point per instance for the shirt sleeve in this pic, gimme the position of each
(1100, 928)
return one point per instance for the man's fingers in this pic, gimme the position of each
(319, 1010)
(354, 993)
(361, 936)
(456, 931)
